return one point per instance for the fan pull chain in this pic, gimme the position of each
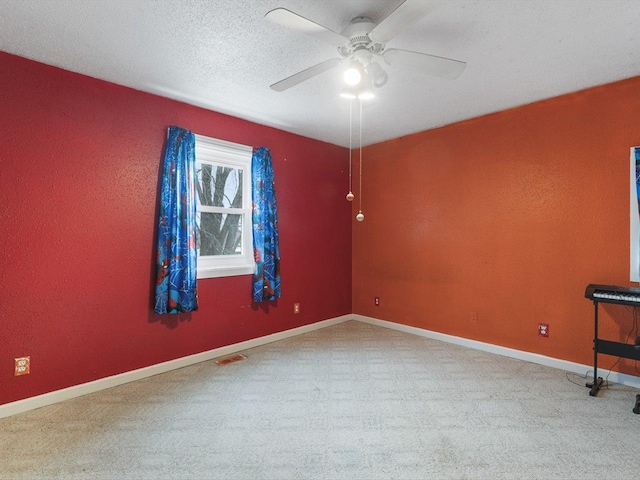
(350, 195)
(360, 216)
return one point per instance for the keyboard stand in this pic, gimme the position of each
(607, 347)
(597, 381)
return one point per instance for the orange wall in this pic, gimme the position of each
(509, 215)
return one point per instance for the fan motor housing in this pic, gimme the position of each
(358, 27)
(358, 34)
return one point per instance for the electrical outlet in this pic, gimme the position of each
(543, 330)
(296, 308)
(376, 301)
(22, 366)
(474, 317)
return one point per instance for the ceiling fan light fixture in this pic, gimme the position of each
(366, 89)
(353, 74)
(350, 92)
(378, 75)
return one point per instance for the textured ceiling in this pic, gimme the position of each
(223, 55)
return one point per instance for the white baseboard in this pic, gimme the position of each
(32, 403)
(578, 368)
(38, 401)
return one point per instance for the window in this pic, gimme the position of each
(224, 240)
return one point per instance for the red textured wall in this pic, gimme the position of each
(509, 215)
(79, 173)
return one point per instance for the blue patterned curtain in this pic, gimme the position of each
(266, 250)
(176, 260)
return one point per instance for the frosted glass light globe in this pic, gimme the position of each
(350, 196)
(360, 217)
(352, 76)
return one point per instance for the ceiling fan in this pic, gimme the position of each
(363, 42)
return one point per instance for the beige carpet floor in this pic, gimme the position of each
(352, 401)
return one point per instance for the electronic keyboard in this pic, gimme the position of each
(613, 294)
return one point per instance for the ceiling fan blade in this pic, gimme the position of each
(402, 18)
(438, 66)
(291, 20)
(304, 75)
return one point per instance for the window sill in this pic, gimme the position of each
(215, 272)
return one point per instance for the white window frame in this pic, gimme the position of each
(228, 154)
(634, 222)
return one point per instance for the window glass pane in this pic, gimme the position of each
(219, 234)
(219, 186)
